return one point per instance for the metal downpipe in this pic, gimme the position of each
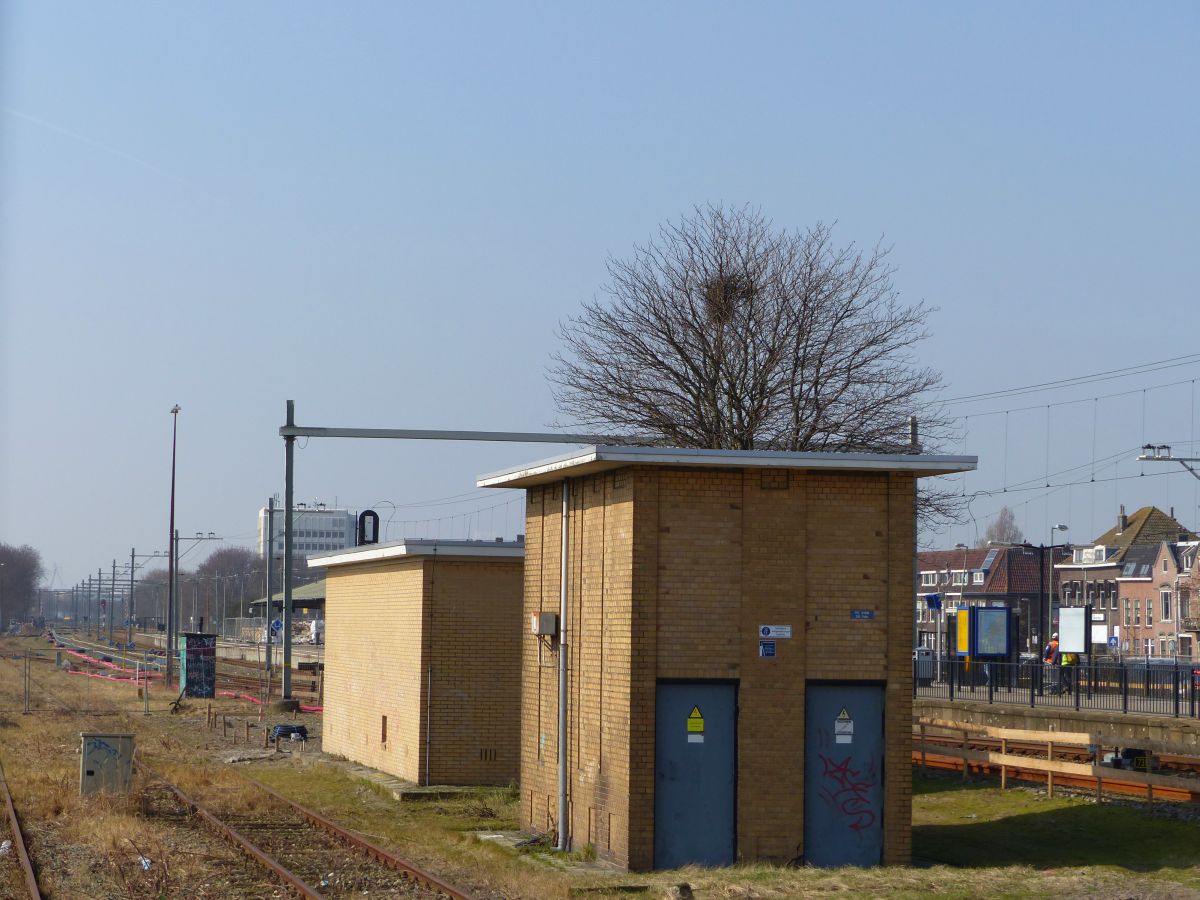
(563, 828)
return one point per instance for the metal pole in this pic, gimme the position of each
(268, 607)
(173, 604)
(112, 600)
(99, 592)
(130, 607)
(172, 547)
(914, 446)
(289, 448)
(563, 806)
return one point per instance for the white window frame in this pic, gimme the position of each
(1164, 597)
(977, 578)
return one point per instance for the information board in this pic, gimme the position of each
(991, 630)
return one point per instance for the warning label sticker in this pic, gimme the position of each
(843, 728)
(695, 721)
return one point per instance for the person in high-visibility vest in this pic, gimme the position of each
(1050, 662)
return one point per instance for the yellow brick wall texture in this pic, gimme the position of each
(475, 628)
(400, 633)
(672, 571)
(374, 665)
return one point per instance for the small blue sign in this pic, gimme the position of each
(933, 601)
(766, 648)
(276, 626)
(862, 613)
(1112, 642)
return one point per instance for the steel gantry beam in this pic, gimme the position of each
(290, 431)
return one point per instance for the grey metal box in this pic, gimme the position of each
(105, 762)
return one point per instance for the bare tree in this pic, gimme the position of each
(1003, 529)
(20, 572)
(725, 332)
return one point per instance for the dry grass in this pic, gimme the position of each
(981, 843)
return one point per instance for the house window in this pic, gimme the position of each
(1149, 612)
(1165, 596)
(960, 577)
(1184, 604)
(1149, 646)
(977, 578)
(928, 579)
(1137, 612)
(1126, 612)
(1164, 565)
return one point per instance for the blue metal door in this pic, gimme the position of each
(695, 774)
(843, 775)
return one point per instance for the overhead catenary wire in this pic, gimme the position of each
(1106, 375)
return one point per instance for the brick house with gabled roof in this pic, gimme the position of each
(989, 576)
(1095, 574)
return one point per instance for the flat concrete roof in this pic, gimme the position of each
(588, 460)
(420, 547)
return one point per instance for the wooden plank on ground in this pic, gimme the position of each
(1080, 738)
(1087, 770)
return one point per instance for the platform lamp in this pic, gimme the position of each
(1048, 583)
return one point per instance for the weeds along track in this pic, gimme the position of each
(312, 856)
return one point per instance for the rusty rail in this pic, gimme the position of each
(239, 840)
(360, 843)
(19, 841)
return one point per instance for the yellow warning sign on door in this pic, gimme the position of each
(695, 722)
(844, 715)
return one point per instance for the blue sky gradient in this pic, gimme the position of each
(383, 211)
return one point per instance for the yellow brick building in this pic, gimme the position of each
(422, 669)
(738, 632)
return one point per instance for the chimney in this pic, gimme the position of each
(1172, 512)
(1122, 520)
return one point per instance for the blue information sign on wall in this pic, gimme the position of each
(766, 648)
(862, 613)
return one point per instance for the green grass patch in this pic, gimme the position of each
(979, 826)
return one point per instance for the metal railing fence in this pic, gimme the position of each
(1166, 687)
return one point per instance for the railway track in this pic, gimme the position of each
(312, 856)
(18, 841)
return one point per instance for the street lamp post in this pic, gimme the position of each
(172, 543)
(1048, 586)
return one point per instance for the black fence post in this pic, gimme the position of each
(914, 677)
(1124, 687)
(987, 671)
(951, 662)
(1035, 675)
(1077, 685)
(1175, 688)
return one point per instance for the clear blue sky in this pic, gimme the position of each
(383, 210)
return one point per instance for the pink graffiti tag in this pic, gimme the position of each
(850, 797)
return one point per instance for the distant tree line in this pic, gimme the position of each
(20, 574)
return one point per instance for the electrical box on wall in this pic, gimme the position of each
(543, 623)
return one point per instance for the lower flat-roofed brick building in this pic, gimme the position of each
(422, 667)
(739, 628)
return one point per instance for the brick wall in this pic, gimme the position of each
(672, 570)
(401, 632)
(374, 667)
(473, 642)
